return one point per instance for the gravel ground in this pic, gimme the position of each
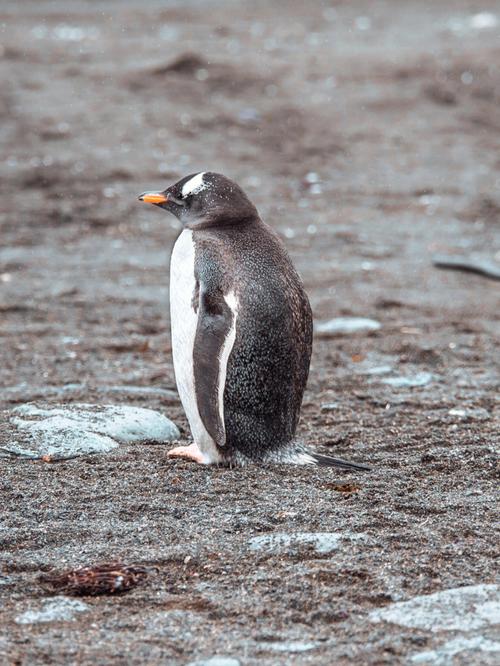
(368, 135)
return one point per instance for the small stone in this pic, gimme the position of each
(55, 609)
(312, 177)
(290, 646)
(457, 609)
(443, 655)
(420, 379)
(378, 370)
(346, 326)
(249, 115)
(472, 414)
(329, 406)
(320, 542)
(216, 661)
(483, 21)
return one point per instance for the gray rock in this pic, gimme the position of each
(78, 429)
(458, 609)
(470, 414)
(420, 379)
(290, 646)
(329, 406)
(443, 655)
(378, 370)
(346, 326)
(55, 609)
(320, 542)
(215, 661)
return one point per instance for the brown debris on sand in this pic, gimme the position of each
(104, 578)
(186, 63)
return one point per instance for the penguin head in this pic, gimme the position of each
(204, 199)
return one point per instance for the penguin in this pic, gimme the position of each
(241, 328)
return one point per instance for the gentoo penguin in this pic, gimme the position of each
(241, 328)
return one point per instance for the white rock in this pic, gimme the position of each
(458, 609)
(483, 21)
(472, 414)
(216, 661)
(55, 609)
(346, 326)
(290, 646)
(282, 542)
(443, 655)
(77, 429)
(378, 370)
(420, 379)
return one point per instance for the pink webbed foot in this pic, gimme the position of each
(191, 452)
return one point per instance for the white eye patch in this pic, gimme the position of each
(195, 184)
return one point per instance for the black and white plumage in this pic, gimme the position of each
(241, 328)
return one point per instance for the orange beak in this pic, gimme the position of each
(154, 197)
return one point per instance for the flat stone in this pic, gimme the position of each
(470, 414)
(320, 542)
(346, 326)
(55, 609)
(290, 646)
(420, 379)
(443, 655)
(378, 370)
(216, 661)
(329, 406)
(78, 429)
(458, 609)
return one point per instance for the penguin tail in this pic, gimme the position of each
(329, 461)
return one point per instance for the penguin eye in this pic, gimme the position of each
(179, 200)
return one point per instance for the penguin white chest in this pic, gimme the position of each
(184, 320)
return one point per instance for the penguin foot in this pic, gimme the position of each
(191, 452)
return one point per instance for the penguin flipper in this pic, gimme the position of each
(213, 343)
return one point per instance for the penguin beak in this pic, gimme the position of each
(153, 197)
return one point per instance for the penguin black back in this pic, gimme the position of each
(241, 327)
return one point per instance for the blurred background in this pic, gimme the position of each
(368, 135)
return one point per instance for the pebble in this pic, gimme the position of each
(346, 326)
(290, 646)
(329, 406)
(78, 429)
(378, 370)
(282, 542)
(420, 379)
(457, 609)
(444, 654)
(55, 609)
(472, 414)
(216, 661)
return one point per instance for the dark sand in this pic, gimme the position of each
(401, 124)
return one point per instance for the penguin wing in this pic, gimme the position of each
(215, 333)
